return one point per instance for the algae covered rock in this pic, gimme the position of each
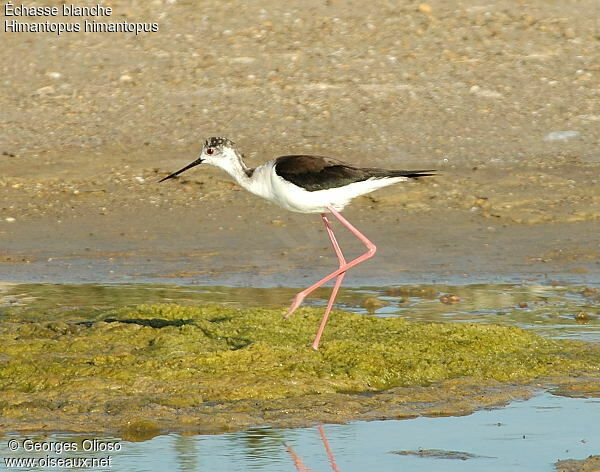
(165, 359)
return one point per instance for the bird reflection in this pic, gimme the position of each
(300, 467)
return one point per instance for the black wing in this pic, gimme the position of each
(319, 173)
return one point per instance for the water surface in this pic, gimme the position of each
(571, 312)
(526, 436)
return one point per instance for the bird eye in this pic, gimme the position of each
(209, 151)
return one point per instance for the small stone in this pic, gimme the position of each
(43, 91)
(561, 135)
(582, 316)
(486, 93)
(279, 223)
(243, 60)
(425, 8)
(373, 303)
(54, 75)
(125, 78)
(449, 299)
(523, 305)
(10, 219)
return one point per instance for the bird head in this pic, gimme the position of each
(217, 151)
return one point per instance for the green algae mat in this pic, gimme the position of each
(165, 367)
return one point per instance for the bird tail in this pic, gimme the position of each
(411, 174)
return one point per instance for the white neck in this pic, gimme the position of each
(233, 164)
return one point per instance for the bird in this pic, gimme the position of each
(306, 184)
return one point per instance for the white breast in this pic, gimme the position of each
(261, 183)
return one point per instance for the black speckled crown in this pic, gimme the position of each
(217, 142)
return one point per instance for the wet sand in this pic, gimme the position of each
(203, 229)
(92, 121)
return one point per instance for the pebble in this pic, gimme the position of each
(10, 219)
(43, 91)
(425, 8)
(482, 92)
(449, 299)
(582, 316)
(243, 60)
(561, 135)
(373, 303)
(280, 223)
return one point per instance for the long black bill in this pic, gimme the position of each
(189, 166)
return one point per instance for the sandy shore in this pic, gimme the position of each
(91, 121)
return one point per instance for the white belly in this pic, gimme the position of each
(294, 198)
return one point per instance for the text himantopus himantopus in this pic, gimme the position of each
(306, 184)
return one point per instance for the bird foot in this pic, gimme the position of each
(298, 299)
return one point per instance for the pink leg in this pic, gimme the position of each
(338, 282)
(344, 266)
(336, 246)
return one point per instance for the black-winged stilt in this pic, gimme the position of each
(306, 184)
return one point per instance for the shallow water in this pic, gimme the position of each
(524, 436)
(569, 312)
